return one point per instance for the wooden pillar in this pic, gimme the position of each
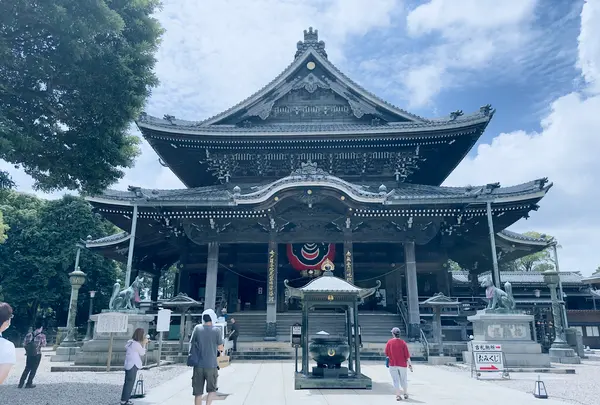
(348, 254)
(349, 332)
(304, 338)
(272, 267)
(356, 340)
(131, 246)
(496, 271)
(212, 271)
(414, 316)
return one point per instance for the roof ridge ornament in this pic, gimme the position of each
(309, 169)
(311, 40)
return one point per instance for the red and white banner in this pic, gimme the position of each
(309, 256)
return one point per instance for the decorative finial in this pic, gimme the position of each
(311, 40)
(328, 267)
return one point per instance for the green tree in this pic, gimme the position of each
(40, 252)
(539, 261)
(73, 75)
(3, 228)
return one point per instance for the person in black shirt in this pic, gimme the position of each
(233, 335)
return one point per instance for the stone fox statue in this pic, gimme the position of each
(127, 298)
(498, 298)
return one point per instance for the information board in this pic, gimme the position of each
(488, 357)
(112, 322)
(296, 335)
(163, 322)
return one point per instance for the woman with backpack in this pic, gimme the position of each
(134, 350)
(33, 343)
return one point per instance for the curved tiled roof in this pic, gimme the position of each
(521, 277)
(195, 127)
(506, 234)
(108, 240)
(403, 193)
(310, 51)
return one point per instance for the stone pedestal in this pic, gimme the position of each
(513, 332)
(95, 352)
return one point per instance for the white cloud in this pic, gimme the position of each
(589, 45)
(466, 35)
(566, 151)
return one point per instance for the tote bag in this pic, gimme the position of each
(194, 357)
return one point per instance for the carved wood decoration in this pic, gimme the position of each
(397, 165)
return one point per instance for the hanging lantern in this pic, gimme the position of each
(308, 258)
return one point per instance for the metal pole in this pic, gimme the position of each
(77, 257)
(493, 244)
(560, 288)
(131, 245)
(88, 335)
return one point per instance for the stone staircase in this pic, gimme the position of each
(375, 327)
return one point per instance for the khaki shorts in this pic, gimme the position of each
(202, 375)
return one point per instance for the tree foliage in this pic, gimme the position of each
(40, 253)
(539, 261)
(73, 75)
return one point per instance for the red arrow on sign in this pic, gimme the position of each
(492, 367)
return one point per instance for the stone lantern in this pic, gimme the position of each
(77, 279)
(560, 351)
(68, 347)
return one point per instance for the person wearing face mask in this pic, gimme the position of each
(8, 354)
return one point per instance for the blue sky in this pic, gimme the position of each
(536, 61)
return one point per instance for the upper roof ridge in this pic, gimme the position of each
(311, 40)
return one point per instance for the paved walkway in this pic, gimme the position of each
(272, 384)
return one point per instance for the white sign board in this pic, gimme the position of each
(488, 357)
(296, 329)
(112, 322)
(163, 323)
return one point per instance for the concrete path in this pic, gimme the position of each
(272, 384)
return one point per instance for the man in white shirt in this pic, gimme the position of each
(8, 354)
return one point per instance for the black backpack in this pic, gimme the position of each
(31, 347)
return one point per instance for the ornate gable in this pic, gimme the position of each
(311, 90)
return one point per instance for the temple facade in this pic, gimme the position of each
(309, 168)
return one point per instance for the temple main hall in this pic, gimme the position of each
(310, 168)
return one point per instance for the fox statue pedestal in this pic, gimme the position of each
(95, 352)
(512, 330)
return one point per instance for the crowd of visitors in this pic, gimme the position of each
(206, 345)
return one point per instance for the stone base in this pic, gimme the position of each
(271, 332)
(341, 372)
(95, 352)
(440, 360)
(64, 354)
(512, 331)
(564, 356)
(308, 382)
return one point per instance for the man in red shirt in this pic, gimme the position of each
(396, 350)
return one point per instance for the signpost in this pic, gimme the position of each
(163, 324)
(296, 339)
(487, 358)
(111, 322)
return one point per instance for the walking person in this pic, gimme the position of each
(397, 352)
(33, 343)
(134, 350)
(235, 333)
(8, 354)
(205, 343)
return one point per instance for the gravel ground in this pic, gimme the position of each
(81, 388)
(580, 388)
